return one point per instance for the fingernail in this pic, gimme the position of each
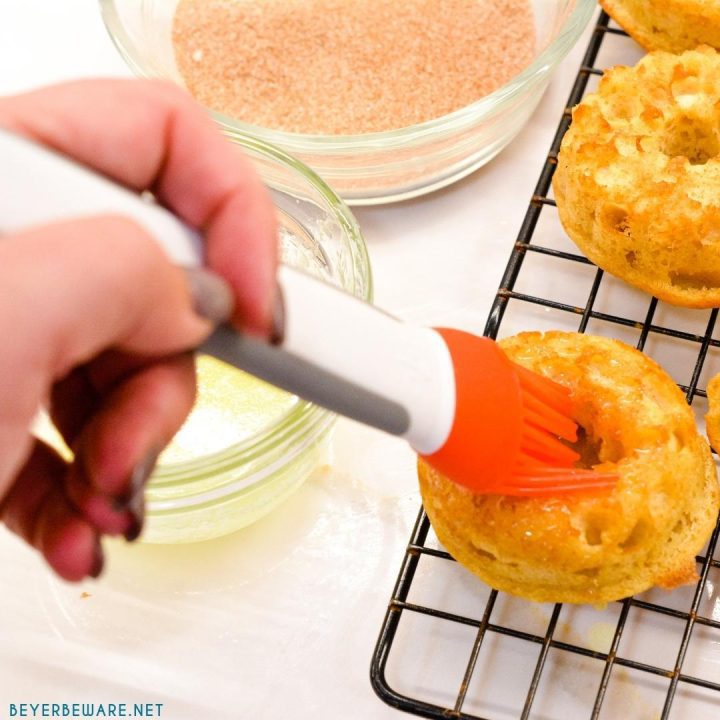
(138, 477)
(212, 297)
(137, 515)
(134, 502)
(277, 332)
(98, 561)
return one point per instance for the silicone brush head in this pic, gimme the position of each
(512, 427)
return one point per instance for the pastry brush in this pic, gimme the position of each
(483, 421)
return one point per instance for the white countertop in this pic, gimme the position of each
(279, 620)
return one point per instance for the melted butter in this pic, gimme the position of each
(601, 636)
(231, 406)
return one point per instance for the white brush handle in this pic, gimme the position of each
(336, 350)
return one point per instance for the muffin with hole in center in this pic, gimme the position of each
(592, 547)
(638, 178)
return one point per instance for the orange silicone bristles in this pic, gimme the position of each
(512, 427)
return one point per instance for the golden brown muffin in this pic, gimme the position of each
(592, 547)
(638, 177)
(672, 25)
(712, 419)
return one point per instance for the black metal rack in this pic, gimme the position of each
(686, 611)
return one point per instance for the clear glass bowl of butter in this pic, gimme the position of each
(247, 446)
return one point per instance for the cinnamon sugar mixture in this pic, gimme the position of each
(348, 66)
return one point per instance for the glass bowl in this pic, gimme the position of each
(236, 483)
(382, 166)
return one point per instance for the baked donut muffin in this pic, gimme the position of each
(592, 547)
(638, 178)
(712, 419)
(672, 25)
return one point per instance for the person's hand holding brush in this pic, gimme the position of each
(98, 326)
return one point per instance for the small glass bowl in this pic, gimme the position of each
(383, 166)
(226, 490)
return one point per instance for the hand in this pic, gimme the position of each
(98, 326)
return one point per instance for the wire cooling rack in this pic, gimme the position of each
(451, 647)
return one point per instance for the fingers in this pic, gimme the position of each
(79, 395)
(61, 509)
(38, 511)
(69, 544)
(118, 447)
(164, 142)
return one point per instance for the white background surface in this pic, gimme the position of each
(279, 620)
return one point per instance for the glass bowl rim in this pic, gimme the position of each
(555, 51)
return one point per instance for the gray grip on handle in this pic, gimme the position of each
(302, 378)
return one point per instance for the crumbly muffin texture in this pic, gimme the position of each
(638, 177)
(592, 547)
(672, 25)
(712, 418)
